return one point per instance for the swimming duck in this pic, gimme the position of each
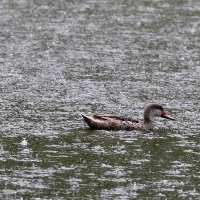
(99, 121)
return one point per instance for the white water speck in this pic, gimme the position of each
(24, 142)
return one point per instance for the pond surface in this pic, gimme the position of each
(112, 56)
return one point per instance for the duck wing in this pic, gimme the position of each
(117, 117)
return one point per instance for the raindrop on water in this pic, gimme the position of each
(24, 142)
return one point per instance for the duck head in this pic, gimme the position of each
(155, 110)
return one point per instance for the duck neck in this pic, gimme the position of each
(147, 121)
(147, 118)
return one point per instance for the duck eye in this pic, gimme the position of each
(159, 108)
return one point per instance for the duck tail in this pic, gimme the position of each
(87, 119)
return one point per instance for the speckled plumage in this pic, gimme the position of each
(99, 121)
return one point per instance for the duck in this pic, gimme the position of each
(100, 121)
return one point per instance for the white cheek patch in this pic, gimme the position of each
(156, 112)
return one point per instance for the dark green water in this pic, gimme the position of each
(61, 57)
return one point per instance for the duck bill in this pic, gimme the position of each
(164, 115)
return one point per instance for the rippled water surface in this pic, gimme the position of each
(60, 57)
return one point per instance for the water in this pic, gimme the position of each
(60, 57)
